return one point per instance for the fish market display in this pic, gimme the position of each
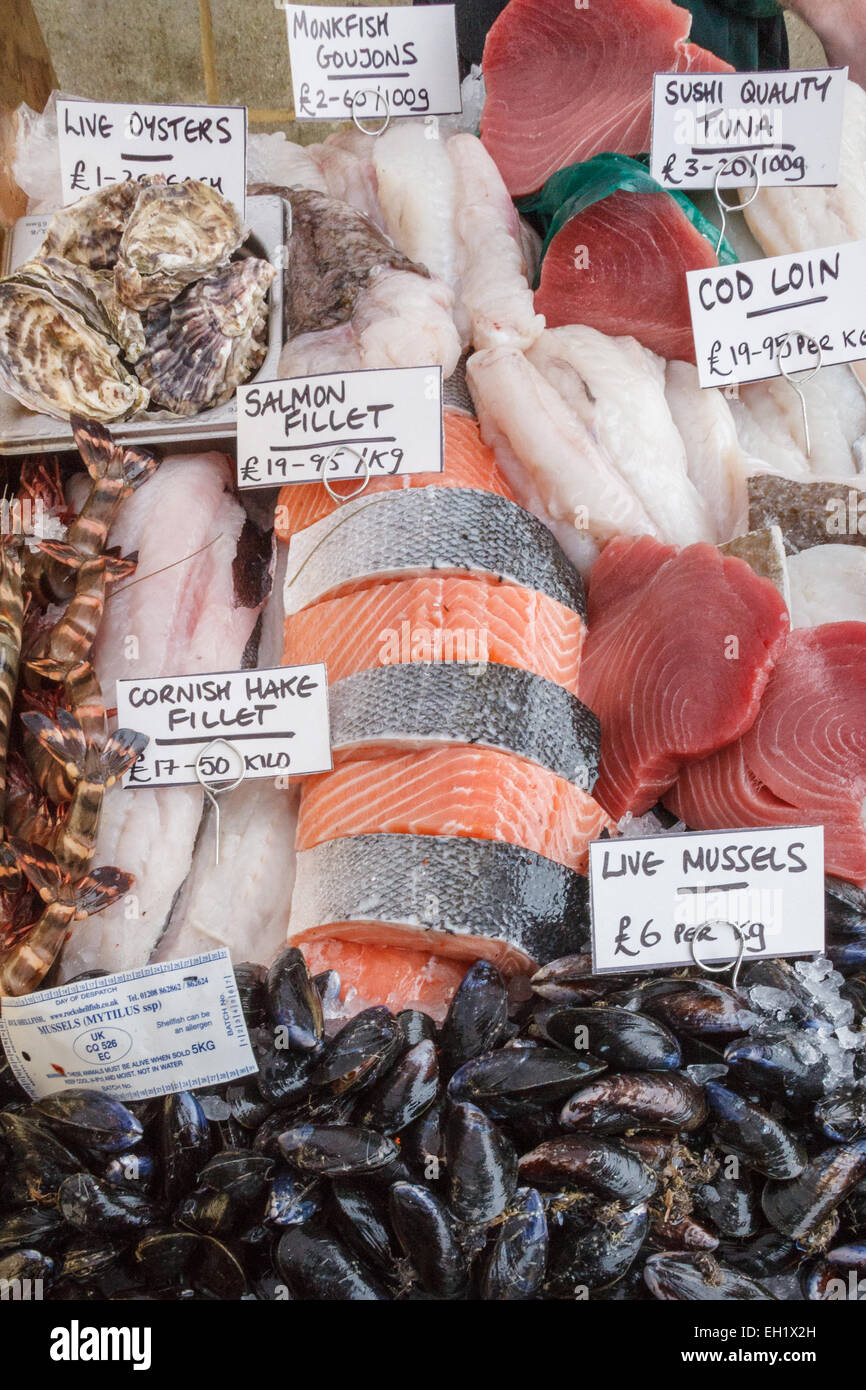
(803, 760)
(680, 647)
(565, 81)
(133, 301)
(626, 606)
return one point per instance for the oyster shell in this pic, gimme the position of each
(202, 345)
(92, 294)
(54, 362)
(88, 232)
(175, 234)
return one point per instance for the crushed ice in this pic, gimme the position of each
(828, 1035)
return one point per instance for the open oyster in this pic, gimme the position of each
(54, 362)
(175, 234)
(88, 232)
(92, 294)
(202, 345)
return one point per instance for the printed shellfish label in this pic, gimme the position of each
(693, 898)
(149, 1032)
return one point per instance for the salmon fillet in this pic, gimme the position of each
(475, 792)
(466, 619)
(468, 463)
(387, 975)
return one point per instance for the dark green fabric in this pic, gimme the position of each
(572, 190)
(748, 34)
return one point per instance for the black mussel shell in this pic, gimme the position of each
(697, 1008)
(416, 1027)
(481, 1164)
(625, 1040)
(789, 1064)
(422, 1144)
(102, 1210)
(569, 980)
(591, 1251)
(404, 1092)
(37, 1163)
(477, 1015)
(744, 1129)
(243, 1175)
(339, 1152)
(505, 1081)
(684, 1234)
(770, 1253)
(799, 1207)
(698, 1278)
(246, 1103)
(361, 1052)
(88, 1120)
(602, 1166)
(285, 1076)
(842, 1117)
(329, 984)
(517, 1263)
(429, 1235)
(87, 1258)
(28, 1266)
(317, 1266)
(731, 1204)
(636, 1100)
(179, 1260)
(293, 1002)
(360, 1217)
(838, 1276)
(292, 1201)
(136, 1171)
(212, 1213)
(250, 980)
(36, 1227)
(185, 1142)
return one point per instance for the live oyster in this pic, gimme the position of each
(88, 232)
(92, 294)
(175, 234)
(55, 363)
(202, 345)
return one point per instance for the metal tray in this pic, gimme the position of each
(23, 432)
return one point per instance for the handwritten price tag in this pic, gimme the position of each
(786, 127)
(105, 142)
(653, 899)
(340, 425)
(276, 721)
(395, 60)
(748, 317)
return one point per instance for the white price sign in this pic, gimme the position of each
(801, 310)
(672, 900)
(373, 62)
(357, 425)
(736, 129)
(105, 142)
(262, 724)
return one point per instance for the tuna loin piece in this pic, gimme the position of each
(804, 759)
(638, 247)
(566, 82)
(679, 649)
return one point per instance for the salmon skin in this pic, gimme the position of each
(439, 619)
(478, 793)
(401, 534)
(469, 462)
(430, 702)
(457, 897)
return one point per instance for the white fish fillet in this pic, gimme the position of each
(557, 469)
(493, 293)
(272, 158)
(616, 387)
(713, 454)
(183, 619)
(400, 320)
(769, 421)
(244, 901)
(802, 219)
(349, 177)
(828, 585)
(417, 194)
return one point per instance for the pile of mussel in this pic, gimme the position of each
(569, 1137)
